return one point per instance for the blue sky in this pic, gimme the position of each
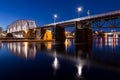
(42, 10)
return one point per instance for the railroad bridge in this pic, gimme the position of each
(83, 26)
(20, 28)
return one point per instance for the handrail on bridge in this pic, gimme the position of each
(86, 18)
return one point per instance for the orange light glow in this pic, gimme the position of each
(26, 31)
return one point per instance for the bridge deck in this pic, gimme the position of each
(114, 14)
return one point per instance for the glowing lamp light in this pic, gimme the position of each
(26, 31)
(55, 16)
(79, 9)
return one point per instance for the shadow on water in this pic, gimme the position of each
(97, 59)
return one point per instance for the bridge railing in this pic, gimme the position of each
(86, 18)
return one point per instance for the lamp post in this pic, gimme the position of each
(88, 13)
(55, 16)
(79, 9)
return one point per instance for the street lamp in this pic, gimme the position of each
(79, 9)
(55, 16)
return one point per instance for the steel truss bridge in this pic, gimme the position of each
(105, 20)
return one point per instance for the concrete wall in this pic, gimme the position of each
(47, 35)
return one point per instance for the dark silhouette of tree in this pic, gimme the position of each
(1, 29)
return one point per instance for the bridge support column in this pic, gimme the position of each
(38, 33)
(42, 33)
(82, 34)
(60, 34)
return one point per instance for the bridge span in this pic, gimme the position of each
(83, 26)
(88, 19)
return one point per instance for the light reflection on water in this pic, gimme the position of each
(110, 41)
(24, 49)
(55, 63)
(75, 61)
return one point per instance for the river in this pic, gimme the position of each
(98, 59)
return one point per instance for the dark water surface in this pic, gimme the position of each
(99, 59)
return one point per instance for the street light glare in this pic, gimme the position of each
(79, 9)
(55, 16)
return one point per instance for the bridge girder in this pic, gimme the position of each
(103, 23)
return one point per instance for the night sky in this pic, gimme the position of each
(42, 11)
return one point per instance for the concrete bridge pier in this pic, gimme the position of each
(38, 34)
(82, 33)
(59, 34)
